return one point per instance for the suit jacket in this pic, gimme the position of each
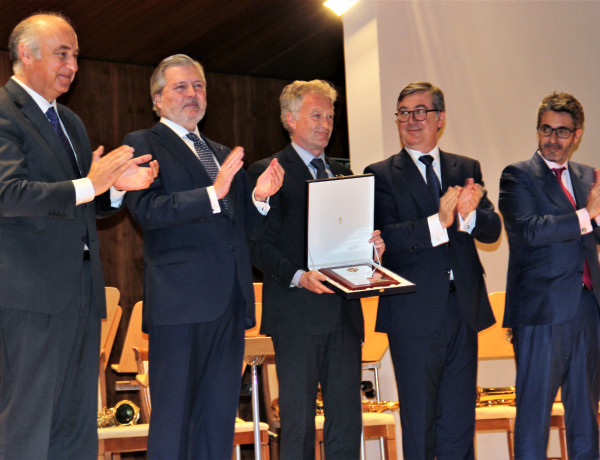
(42, 231)
(281, 251)
(402, 204)
(192, 257)
(547, 250)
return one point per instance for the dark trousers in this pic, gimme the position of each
(49, 380)
(333, 360)
(195, 376)
(551, 356)
(436, 379)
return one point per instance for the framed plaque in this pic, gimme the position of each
(340, 220)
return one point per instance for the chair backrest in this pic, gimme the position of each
(493, 341)
(255, 331)
(376, 343)
(110, 324)
(134, 338)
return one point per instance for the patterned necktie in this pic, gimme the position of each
(432, 179)
(319, 165)
(55, 122)
(208, 160)
(587, 275)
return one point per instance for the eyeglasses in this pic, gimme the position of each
(418, 114)
(561, 132)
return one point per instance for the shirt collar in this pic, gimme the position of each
(178, 129)
(552, 164)
(306, 156)
(415, 154)
(40, 100)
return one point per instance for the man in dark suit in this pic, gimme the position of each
(52, 187)
(198, 294)
(316, 334)
(431, 207)
(550, 207)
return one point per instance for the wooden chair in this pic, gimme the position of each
(494, 344)
(134, 338)
(244, 431)
(108, 332)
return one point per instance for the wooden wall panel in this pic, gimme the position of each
(113, 100)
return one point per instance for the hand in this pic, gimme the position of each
(448, 203)
(106, 169)
(269, 182)
(593, 199)
(138, 177)
(313, 281)
(379, 248)
(469, 198)
(230, 167)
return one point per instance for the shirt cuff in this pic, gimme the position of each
(439, 235)
(585, 223)
(214, 200)
(262, 206)
(116, 197)
(468, 224)
(296, 278)
(84, 191)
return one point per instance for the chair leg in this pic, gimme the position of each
(564, 454)
(510, 435)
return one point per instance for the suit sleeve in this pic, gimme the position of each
(160, 207)
(266, 253)
(519, 204)
(487, 226)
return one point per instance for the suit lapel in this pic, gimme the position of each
(295, 165)
(83, 160)
(43, 132)
(177, 147)
(580, 187)
(407, 176)
(548, 182)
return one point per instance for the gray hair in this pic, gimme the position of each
(293, 94)
(158, 81)
(27, 32)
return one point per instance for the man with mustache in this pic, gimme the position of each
(198, 293)
(550, 207)
(52, 187)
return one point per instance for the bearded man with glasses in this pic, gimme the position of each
(550, 207)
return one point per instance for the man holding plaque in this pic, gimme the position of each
(431, 207)
(316, 334)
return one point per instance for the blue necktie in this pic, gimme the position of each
(55, 122)
(208, 160)
(432, 179)
(319, 165)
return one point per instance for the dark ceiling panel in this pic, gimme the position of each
(287, 39)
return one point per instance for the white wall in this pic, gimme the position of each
(495, 61)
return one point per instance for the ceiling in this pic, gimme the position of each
(285, 39)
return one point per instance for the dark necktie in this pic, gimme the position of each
(207, 158)
(55, 122)
(587, 275)
(319, 165)
(432, 179)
